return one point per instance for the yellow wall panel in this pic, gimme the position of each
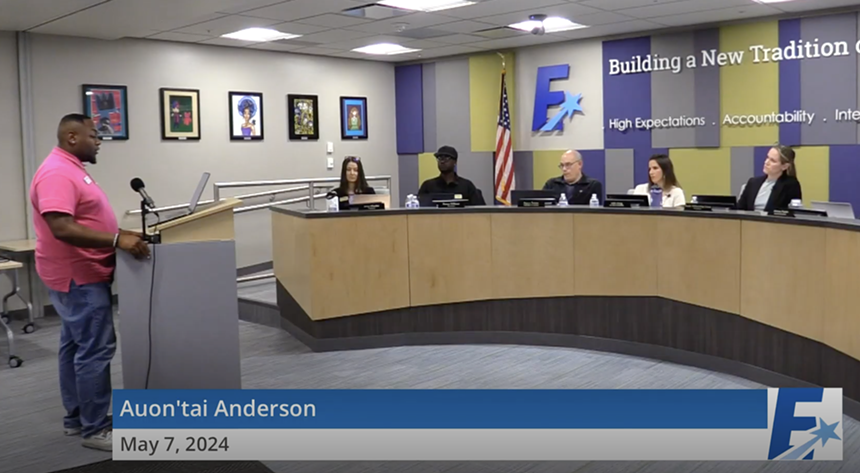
(545, 166)
(749, 88)
(813, 172)
(705, 171)
(427, 168)
(485, 88)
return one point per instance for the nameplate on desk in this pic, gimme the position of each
(698, 207)
(449, 204)
(368, 206)
(781, 213)
(618, 203)
(535, 202)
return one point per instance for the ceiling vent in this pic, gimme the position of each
(374, 12)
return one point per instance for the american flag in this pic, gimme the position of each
(504, 151)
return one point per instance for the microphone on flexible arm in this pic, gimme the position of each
(147, 205)
(138, 186)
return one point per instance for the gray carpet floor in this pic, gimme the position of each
(31, 439)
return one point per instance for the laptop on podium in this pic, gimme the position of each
(195, 199)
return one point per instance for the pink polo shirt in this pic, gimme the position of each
(62, 184)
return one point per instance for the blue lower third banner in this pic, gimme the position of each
(478, 425)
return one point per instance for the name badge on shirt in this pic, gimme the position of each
(88, 180)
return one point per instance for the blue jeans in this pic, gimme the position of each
(87, 346)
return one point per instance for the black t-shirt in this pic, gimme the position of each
(460, 185)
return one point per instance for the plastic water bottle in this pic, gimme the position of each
(656, 197)
(411, 201)
(594, 201)
(562, 200)
(332, 204)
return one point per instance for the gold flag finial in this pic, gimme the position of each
(503, 61)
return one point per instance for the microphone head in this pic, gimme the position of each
(137, 184)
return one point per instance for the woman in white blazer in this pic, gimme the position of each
(661, 172)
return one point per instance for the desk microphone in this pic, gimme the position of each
(137, 186)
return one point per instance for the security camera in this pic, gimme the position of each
(539, 29)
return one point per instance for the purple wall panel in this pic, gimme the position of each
(409, 109)
(626, 95)
(844, 173)
(789, 84)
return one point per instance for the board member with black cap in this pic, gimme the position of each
(449, 182)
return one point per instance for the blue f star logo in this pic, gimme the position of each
(546, 98)
(785, 422)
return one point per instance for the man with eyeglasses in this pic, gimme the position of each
(576, 186)
(449, 182)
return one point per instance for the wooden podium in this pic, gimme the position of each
(179, 314)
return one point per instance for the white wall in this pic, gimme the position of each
(171, 169)
(585, 130)
(13, 218)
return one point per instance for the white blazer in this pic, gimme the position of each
(671, 199)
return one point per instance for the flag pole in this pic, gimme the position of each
(503, 61)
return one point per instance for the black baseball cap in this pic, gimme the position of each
(448, 151)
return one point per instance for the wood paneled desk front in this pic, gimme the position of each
(768, 298)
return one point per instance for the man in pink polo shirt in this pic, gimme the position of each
(76, 241)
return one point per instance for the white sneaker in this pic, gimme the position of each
(71, 431)
(100, 441)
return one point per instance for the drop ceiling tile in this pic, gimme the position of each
(614, 5)
(411, 21)
(518, 42)
(361, 42)
(277, 46)
(713, 16)
(181, 37)
(464, 26)
(422, 33)
(631, 26)
(334, 36)
(227, 42)
(422, 44)
(319, 51)
(121, 18)
(810, 5)
(240, 6)
(333, 20)
(459, 39)
(451, 50)
(602, 18)
(498, 7)
(296, 9)
(679, 8)
(21, 15)
(226, 24)
(585, 19)
(298, 28)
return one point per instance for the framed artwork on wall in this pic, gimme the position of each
(180, 114)
(303, 117)
(353, 118)
(246, 115)
(108, 107)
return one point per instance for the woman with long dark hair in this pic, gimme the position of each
(352, 180)
(661, 173)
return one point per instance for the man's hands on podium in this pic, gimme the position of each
(132, 243)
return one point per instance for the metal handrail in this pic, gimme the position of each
(256, 277)
(249, 208)
(216, 190)
(209, 201)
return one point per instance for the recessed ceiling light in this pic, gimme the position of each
(385, 49)
(259, 35)
(553, 24)
(426, 5)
